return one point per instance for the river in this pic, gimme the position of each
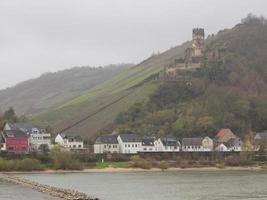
(15, 192)
(182, 185)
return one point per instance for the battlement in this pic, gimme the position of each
(199, 31)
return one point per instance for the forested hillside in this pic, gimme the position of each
(230, 94)
(50, 89)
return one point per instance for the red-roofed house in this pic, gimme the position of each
(224, 135)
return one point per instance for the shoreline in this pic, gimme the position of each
(124, 170)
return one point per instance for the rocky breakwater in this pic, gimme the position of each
(46, 189)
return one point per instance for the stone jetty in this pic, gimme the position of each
(46, 189)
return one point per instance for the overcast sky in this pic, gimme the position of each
(37, 36)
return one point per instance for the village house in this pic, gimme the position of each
(25, 127)
(15, 141)
(224, 139)
(148, 144)
(130, 143)
(222, 148)
(224, 135)
(234, 144)
(106, 144)
(71, 142)
(260, 141)
(39, 139)
(197, 144)
(36, 136)
(167, 144)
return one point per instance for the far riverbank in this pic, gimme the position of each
(118, 170)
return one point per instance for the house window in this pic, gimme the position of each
(125, 145)
(135, 145)
(132, 145)
(80, 146)
(109, 146)
(144, 149)
(129, 145)
(105, 146)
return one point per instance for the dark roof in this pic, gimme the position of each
(25, 127)
(148, 141)
(234, 142)
(170, 141)
(192, 141)
(14, 133)
(130, 138)
(106, 139)
(71, 137)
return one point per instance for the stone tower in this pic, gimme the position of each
(198, 42)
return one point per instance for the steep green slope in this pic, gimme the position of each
(133, 85)
(36, 95)
(226, 93)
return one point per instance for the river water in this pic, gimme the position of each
(15, 192)
(182, 185)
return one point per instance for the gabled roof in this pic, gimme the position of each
(224, 135)
(148, 141)
(25, 127)
(130, 138)
(14, 133)
(106, 139)
(192, 141)
(169, 141)
(76, 138)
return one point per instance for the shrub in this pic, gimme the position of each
(138, 162)
(220, 165)
(26, 164)
(163, 165)
(64, 160)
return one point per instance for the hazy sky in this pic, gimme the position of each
(37, 36)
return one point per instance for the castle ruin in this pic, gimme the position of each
(198, 42)
(193, 57)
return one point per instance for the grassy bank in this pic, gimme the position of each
(57, 160)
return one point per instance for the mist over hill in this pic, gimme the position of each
(51, 89)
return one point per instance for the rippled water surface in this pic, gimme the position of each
(14, 192)
(184, 185)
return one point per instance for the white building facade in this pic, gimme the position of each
(129, 143)
(167, 145)
(39, 139)
(106, 144)
(69, 141)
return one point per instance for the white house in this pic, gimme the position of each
(2, 143)
(221, 147)
(39, 139)
(197, 144)
(129, 143)
(167, 145)
(148, 144)
(106, 144)
(72, 142)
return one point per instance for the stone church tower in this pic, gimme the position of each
(198, 42)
